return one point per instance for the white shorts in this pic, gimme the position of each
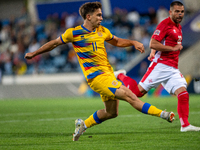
(170, 78)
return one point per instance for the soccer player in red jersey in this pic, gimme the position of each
(167, 41)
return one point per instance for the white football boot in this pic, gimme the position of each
(169, 116)
(190, 128)
(79, 129)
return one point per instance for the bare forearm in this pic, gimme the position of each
(45, 48)
(125, 42)
(119, 42)
(161, 47)
(153, 51)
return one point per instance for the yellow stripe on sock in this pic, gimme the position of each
(154, 111)
(89, 122)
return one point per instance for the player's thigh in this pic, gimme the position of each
(156, 74)
(106, 86)
(123, 93)
(175, 82)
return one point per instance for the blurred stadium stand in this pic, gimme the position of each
(29, 86)
(31, 23)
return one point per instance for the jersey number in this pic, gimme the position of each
(94, 44)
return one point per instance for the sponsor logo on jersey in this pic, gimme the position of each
(179, 40)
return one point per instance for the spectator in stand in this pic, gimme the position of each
(161, 14)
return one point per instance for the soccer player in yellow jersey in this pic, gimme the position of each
(88, 42)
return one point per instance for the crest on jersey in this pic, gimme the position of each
(157, 32)
(114, 83)
(100, 34)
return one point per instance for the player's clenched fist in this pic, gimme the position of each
(139, 46)
(177, 47)
(29, 56)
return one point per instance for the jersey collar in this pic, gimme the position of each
(87, 29)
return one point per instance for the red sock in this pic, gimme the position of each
(130, 83)
(183, 108)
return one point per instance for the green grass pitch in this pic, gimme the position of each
(48, 124)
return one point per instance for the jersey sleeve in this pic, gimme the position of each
(160, 32)
(67, 36)
(109, 35)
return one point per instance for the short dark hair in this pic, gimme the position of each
(175, 3)
(89, 7)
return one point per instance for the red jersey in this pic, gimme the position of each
(169, 34)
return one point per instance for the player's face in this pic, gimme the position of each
(177, 13)
(96, 18)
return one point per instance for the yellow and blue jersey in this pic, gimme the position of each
(90, 49)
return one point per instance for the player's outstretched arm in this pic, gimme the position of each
(119, 42)
(45, 48)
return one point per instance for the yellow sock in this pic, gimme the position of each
(151, 110)
(154, 111)
(92, 120)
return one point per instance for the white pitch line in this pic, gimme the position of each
(54, 119)
(29, 114)
(56, 112)
(73, 118)
(47, 119)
